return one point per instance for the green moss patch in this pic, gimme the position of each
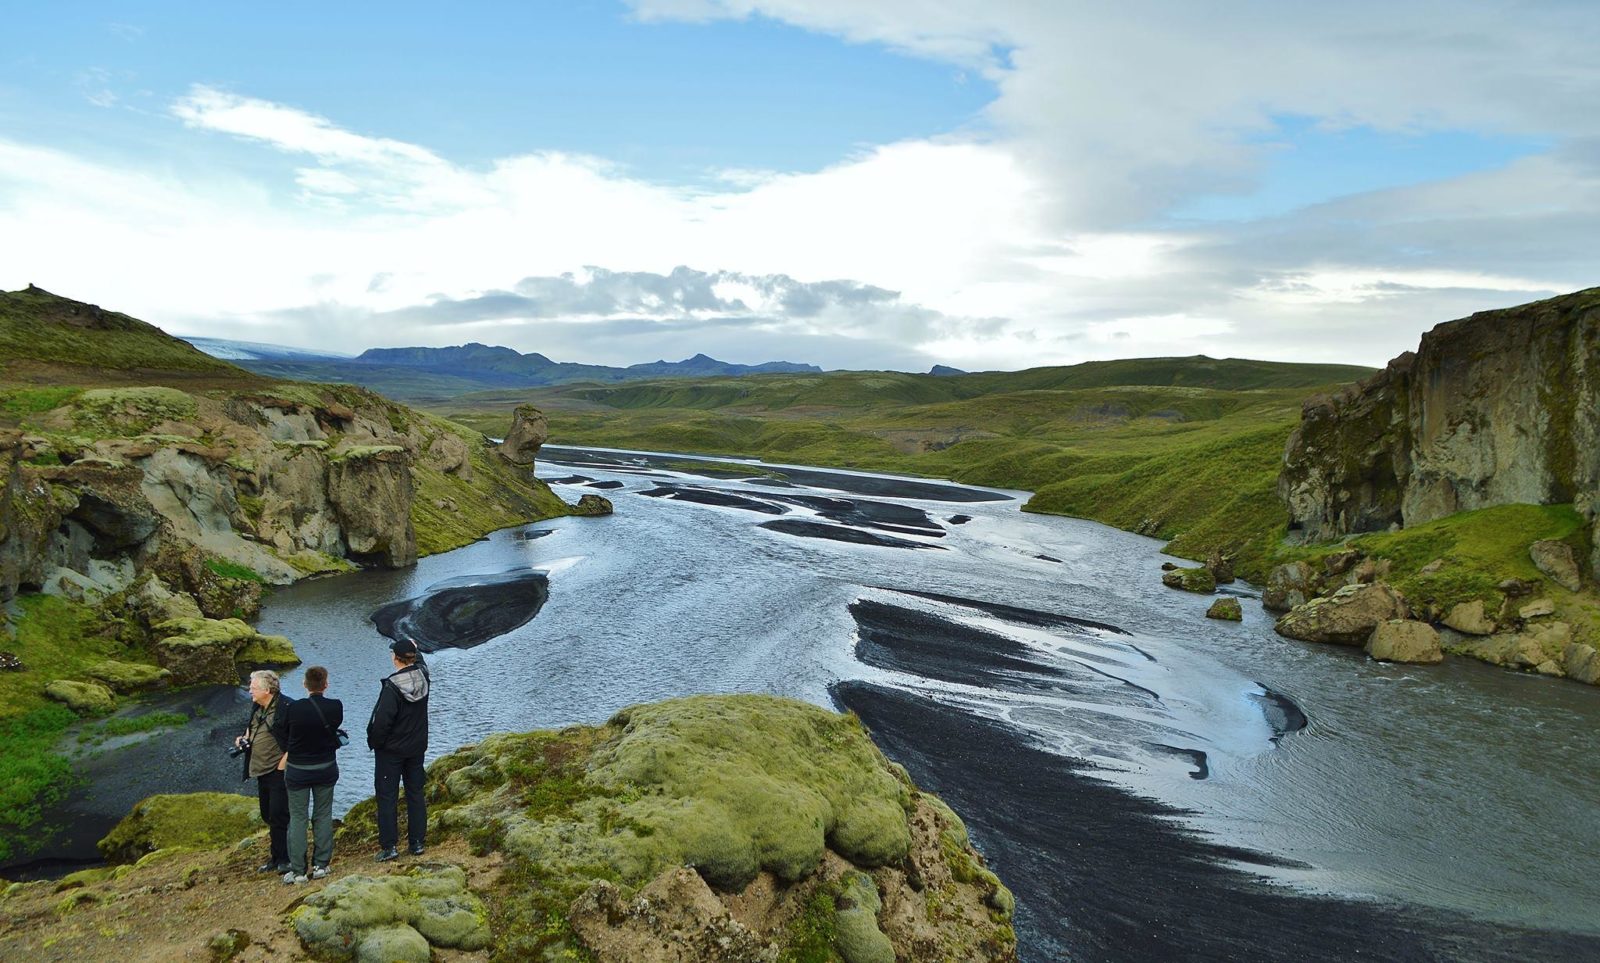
(191, 820)
(393, 917)
(130, 411)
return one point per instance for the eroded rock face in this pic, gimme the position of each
(1289, 585)
(1500, 407)
(1557, 560)
(1347, 617)
(1402, 640)
(370, 490)
(529, 430)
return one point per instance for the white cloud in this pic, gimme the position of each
(1040, 241)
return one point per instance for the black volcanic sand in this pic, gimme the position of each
(464, 612)
(536, 533)
(714, 496)
(605, 484)
(777, 477)
(1100, 874)
(126, 769)
(838, 533)
(1281, 712)
(868, 514)
(568, 480)
(959, 519)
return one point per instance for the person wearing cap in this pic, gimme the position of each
(398, 734)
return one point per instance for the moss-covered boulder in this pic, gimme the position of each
(202, 650)
(84, 698)
(268, 650)
(1469, 617)
(592, 505)
(129, 676)
(190, 820)
(1402, 640)
(1226, 609)
(856, 933)
(1190, 580)
(388, 918)
(1347, 617)
(769, 803)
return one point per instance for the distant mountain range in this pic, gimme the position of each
(432, 373)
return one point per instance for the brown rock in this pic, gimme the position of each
(530, 429)
(1226, 609)
(1582, 662)
(1347, 617)
(1536, 608)
(1287, 586)
(1517, 587)
(1221, 567)
(676, 918)
(592, 504)
(1557, 560)
(1337, 563)
(1402, 640)
(1469, 617)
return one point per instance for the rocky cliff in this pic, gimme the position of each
(1497, 408)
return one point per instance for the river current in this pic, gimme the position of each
(1461, 787)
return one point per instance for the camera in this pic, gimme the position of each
(235, 751)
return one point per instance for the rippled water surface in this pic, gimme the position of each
(1460, 786)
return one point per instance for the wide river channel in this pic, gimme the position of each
(1458, 792)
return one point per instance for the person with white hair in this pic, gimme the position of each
(262, 754)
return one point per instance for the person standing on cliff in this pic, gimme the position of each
(263, 754)
(309, 732)
(398, 734)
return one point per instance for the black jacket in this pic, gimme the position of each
(399, 723)
(301, 732)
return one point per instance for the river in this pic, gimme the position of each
(1462, 792)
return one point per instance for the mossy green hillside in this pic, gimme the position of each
(37, 326)
(451, 509)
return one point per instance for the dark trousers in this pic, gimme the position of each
(390, 770)
(274, 800)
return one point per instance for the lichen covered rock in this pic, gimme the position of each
(1347, 617)
(1402, 640)
(1557, 560)
(1288, 585)
(1190, 580)
(1226, 609)
(592, 505)
(1469, 617)
(389, 918)
(84, 698)
(192, 820)
(129, 676)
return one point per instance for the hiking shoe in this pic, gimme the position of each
(387, 854)
(293, 878)
(271, 867)
(417, 850)
(318, 872)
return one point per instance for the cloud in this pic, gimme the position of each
(1045, 235)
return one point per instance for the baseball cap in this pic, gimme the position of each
(404, 647)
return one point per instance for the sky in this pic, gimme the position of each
(986, 184)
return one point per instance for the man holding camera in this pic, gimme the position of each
(398, 734)
(262, 753)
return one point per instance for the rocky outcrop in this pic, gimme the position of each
(1190, 580)
(716, 828)
(1500, 407)
(205, 650)
(592, 505)
(529, 430)
(1347, 617)
(1469, 618)
(84, 698)
(1402, 640)
(1557, 560)
(370, 490)
(1288, 585)
(1227, 609)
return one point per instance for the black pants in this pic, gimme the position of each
(389, 771)
(274, 799)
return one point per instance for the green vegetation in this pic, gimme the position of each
(1186, 449)
(150, 721)
(222, 568)
(1479, 548)
(194, 820)
(36, 400)
(130, 411)
(32, 775)
(37, 326)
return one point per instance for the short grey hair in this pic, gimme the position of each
(267, 678)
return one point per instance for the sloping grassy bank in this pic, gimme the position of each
(1185, 449)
